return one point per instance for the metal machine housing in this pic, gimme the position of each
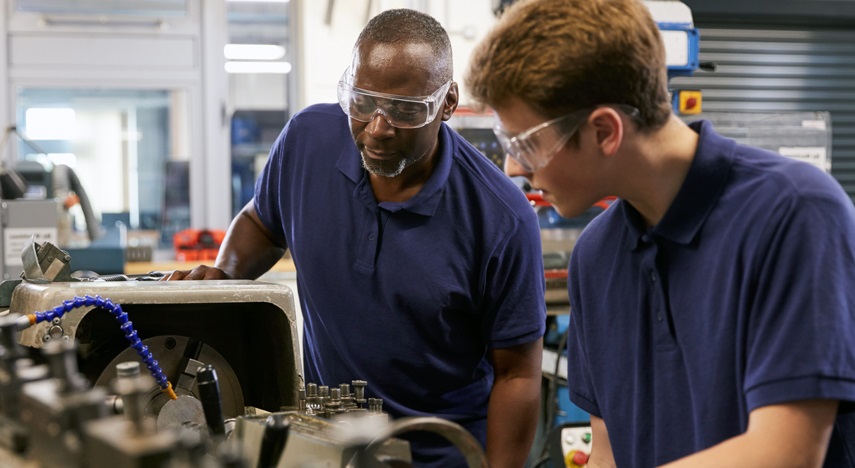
(251, 325)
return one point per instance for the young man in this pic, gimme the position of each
(418, 261)
(712, 307)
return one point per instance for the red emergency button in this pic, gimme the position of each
(576, 459)
(689, 102)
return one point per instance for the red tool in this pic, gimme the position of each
(197, 244)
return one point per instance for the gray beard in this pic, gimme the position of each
(390, 168)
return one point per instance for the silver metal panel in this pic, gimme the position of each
(19, 220)
(795, 67)
(801, 135)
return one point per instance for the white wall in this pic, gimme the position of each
(325, 48)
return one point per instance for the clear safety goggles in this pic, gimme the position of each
(398, 111)
(535, 147)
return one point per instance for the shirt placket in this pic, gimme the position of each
(659, 313)
(369, 234)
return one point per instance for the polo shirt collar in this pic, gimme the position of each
(696, 198)
(427, 200)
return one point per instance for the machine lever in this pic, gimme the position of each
(275, 437)
(209, 396)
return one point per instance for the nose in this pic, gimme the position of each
(380, 127)
(514, 169)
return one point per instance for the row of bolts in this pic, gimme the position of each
(315, 399)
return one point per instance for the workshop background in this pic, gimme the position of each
(132, 94)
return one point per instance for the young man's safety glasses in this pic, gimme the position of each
(533, 148)
(398, 111)
(536, 146)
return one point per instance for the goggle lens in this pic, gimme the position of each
(535, 147)
(398, 111)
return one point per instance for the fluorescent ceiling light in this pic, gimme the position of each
(258, 67)
(253, 51)
(50, 123)
(259, 1)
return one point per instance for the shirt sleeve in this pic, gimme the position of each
(269, 185)
(799, 344)
(515, 285)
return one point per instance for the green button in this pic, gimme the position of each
(586, 437)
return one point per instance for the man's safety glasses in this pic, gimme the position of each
(398, 111)
(535, 147)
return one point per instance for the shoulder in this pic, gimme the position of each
(764, 172)
(317, 124)
(477, 171)
(766, 177)
(327, 114)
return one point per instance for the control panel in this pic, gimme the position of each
(571, 442)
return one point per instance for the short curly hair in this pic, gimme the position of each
(564, 55)
(406, 26)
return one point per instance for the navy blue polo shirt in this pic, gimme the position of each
(408, 296)
(742, 296)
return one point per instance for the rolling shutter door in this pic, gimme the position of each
(783, 69)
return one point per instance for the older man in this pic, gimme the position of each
(418, 262)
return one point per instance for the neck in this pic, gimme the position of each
(654, 176)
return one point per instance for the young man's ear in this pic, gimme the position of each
(451, 100)
(608, 127)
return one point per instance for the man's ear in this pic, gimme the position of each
(608, 128)
(451, 100)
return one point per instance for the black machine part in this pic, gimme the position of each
(274, 440)
(212, 403)
(12, 184)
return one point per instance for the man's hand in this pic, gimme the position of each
(201, 272)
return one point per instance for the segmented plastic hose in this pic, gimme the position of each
(126, 325)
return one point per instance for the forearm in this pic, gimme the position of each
(238, 266)
(742, 450)
(600, 463)
(788, 435)
(248, 250)
(512, 420)
(601, 455)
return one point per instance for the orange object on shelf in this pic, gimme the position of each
(537, 200)
(197, 244)
(558, 274)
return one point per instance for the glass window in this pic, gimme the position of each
(257, 61)
(118, 144)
